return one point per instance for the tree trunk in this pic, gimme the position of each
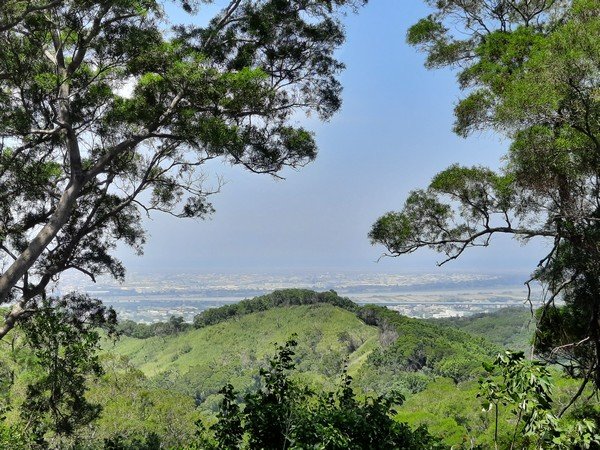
(38, 244)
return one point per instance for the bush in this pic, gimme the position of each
(284, 414)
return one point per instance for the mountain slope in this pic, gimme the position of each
(381, 349)
(201, 361)
(510, 328)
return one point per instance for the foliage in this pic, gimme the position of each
(228, 430)
(135, 411)
(284, 297)
(174, 325)
(451, 412)
(150, 442)
(285, 415)
(508, 327)
(213, 316)
(234, 350)
(64, 341)
(199, 362)
(530, 73)
(139, 411)
(400, 354)
(109, 113)
(526, 388)
(11, 437)
(425, 348)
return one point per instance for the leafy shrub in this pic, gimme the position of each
(149, 442)
(284, 414)
(413, 345)
(525, 388)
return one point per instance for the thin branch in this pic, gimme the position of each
(577, 394)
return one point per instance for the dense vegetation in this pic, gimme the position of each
(284, 414)
(197, 386)
(412, 346)
(435, 366)
(384, 351)
(529, 70)
(174, 325)
(508, 327)
(213, 316)
(81, 161)
(158, 407)
(287, 297)
(199, 362)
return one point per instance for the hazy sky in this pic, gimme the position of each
(392, 135)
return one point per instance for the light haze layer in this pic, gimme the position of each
(392, 135)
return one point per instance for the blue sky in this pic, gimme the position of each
(392, 135)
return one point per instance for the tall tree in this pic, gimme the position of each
(531, 72)
(107, 114)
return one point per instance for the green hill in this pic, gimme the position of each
(160, 379)
(510, 328)
(200, 361)
(381, 349)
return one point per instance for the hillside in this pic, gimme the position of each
(508, 327)
(435, 364)
(163, 384)
(160, 385)
(381, 349)
(200, 361)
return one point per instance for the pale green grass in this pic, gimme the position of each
(203, 360)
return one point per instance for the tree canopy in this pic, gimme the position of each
(530, 71)
(108, 113)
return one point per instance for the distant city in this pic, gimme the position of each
(155, 297)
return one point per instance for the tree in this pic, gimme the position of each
(525, 387)
(531, 73)
(64, 339)
(284, 414)
(107, 114)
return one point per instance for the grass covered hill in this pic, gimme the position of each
(199, 362)
(381, 349)
(160, 380)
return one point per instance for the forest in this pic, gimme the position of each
(111, 111)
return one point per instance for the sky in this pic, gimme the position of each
(392, 135)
